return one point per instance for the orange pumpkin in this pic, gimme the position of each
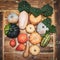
(35, 38)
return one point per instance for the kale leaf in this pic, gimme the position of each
(47, 22)
(35, 11)
(47, 10)
(24, 5)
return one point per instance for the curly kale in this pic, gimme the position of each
(24, 5)
(47, 22)
(47, 10)
(52, 29)
(35, 11)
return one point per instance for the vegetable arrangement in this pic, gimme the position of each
(37, 30)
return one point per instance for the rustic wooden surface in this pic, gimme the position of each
(57, 7)
(4, 5)
(8, 50)
(1, 36)
(7, 5)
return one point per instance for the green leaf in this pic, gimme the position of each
(35, 11)
(52, 29)
(24, 5)
(47, 22)
(47, 10)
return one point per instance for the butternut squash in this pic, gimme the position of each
(23, 19)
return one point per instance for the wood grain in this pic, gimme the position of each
(15, 55)
(57, 8)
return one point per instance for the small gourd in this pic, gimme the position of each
(35, 20)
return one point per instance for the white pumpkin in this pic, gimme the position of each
(41, 28)
(12, 18)
(23, 19)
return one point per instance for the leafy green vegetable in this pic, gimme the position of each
(24, 5)
(47, 10)
(52, 29)
(35, 11)
(47, 22)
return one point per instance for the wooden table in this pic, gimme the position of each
(11, 5)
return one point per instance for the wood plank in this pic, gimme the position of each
(57, 7)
